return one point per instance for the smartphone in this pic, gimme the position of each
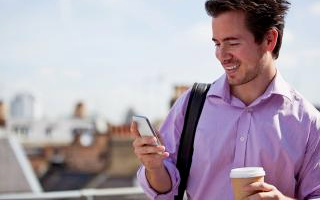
(144, 127)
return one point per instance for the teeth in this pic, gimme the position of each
(230, 68)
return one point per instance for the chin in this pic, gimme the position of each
(232, 82)
(235, 82)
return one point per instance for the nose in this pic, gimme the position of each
(223, 54)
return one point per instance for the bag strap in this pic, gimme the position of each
(184, 159)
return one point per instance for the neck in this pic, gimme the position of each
(250, 91)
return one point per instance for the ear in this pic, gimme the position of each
(271, 38)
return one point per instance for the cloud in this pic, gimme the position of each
(293, 59)
(46, 71)
(200, 32)
(65, 9)
(72, 74)
(288, 36)
(310, 57)
(288, 60)
(52, 74)
(315, 8)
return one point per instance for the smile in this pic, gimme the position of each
(231, 67)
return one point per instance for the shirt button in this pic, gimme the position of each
(241, 138)
(249, 110)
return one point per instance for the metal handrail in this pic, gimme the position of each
(86, 193)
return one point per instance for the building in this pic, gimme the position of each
(91, 160)
(25, 106)
(45, 131)
(15, 170)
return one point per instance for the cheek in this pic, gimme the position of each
(216, 53)
(245, 55)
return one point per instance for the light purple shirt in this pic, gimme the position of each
(279, 131)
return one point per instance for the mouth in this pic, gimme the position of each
(231, 68)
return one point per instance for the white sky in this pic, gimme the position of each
(116, 54)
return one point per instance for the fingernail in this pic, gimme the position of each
(161, 148)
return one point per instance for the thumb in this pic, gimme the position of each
(134, 130)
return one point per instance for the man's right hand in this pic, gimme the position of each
(152, 157)
(147, 151)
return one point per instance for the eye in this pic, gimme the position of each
(234, 44)
(216, 44)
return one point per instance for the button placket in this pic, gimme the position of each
(242, 135)
(249, 109)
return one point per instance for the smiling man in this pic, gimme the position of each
(251, 117)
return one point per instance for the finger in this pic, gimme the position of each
(134, 129)
(152, 159)
(150, 150)
(144, 141)
(262, 195)
(259, 186)
(160, 156)
(146, 151)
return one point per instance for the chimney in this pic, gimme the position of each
(79, 111)
(2, 114)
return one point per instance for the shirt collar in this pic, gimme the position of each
(278, 86)
(220, 88)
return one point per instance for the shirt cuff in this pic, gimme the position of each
(150, 192)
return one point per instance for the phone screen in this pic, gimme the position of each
(144, 127)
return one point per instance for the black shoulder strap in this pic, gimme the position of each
(196, 101)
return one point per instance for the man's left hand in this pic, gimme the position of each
(267, 192)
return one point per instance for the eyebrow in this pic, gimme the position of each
(226, 39)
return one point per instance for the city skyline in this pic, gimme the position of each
(116, 54)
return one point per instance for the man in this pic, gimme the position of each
(251, 117)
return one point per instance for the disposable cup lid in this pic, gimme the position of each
(247, 172)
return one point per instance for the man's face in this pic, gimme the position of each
(241, 57)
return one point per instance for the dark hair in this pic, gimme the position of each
(261, 16)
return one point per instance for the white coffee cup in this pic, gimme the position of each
(241, 177)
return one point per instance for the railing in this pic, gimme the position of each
(87, 194)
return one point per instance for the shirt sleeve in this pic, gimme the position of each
(170, 133)
(150, 192)
(309, 178)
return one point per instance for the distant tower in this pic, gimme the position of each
(2, 114)
(79, 111)
(129, 114)
(24, 106)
